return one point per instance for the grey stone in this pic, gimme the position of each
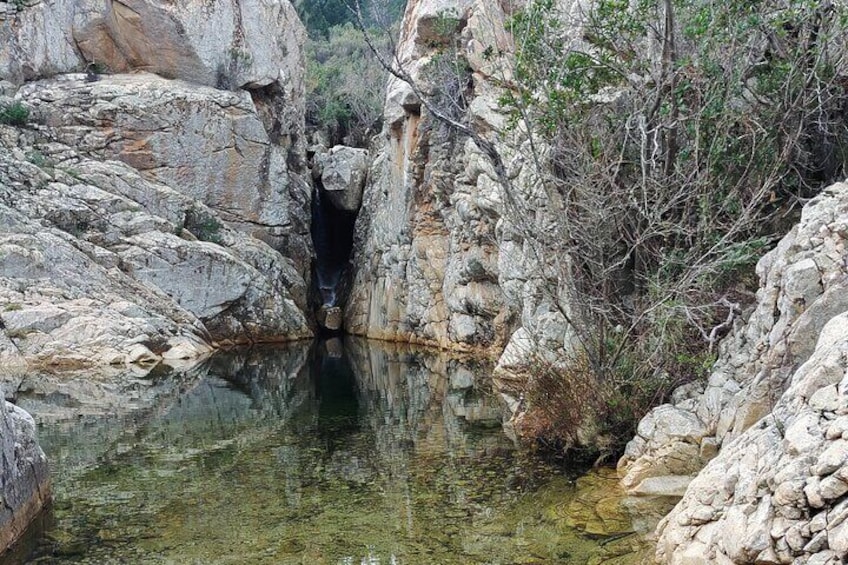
(24, 479)
(343, 173)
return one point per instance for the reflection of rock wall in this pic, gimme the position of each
(24, 482)
(425, 395)
(115, 402)
(276, 378)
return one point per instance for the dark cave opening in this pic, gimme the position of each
(332, 238)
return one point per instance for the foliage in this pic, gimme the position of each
(203, 226)
(14, 114)
(345, 87)
(320, 16)
(667, 136)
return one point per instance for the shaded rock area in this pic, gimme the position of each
(24, 481)
(339, 175)
(769, 419)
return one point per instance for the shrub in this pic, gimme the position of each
(14, 114)
(204, 226)
(344, 87)
(668, 136)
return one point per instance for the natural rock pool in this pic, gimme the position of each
(354, 453)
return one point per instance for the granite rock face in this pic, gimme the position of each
(24, 480)
(803, 285)
(210, 145)
(426, 260)
(443, 255)
(99, 265)
(252, 44)
(151, 216)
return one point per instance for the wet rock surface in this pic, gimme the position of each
(24, 478)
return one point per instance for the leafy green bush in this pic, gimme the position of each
(345, 87)
(14, 114)
(203, 226)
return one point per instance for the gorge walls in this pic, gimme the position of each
(157, 200)
(429, 255)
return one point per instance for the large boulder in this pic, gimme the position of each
(24, 479)
(229, 44)
(343, 173)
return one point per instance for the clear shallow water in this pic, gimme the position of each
(364, 454)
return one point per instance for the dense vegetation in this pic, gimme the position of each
(344, 81)
(671, 138)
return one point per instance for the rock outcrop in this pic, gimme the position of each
(24, 481)
(208, 144)
(772, 411)
(99, 265)
(343, 171)
(250, 44)
(146, 216)
(427, 265)
(149, 216)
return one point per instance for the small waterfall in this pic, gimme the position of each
(332, 237)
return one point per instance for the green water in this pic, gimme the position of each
(305, 454)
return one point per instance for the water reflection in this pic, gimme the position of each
(311, 453)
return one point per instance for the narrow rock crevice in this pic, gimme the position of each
(332, 238)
